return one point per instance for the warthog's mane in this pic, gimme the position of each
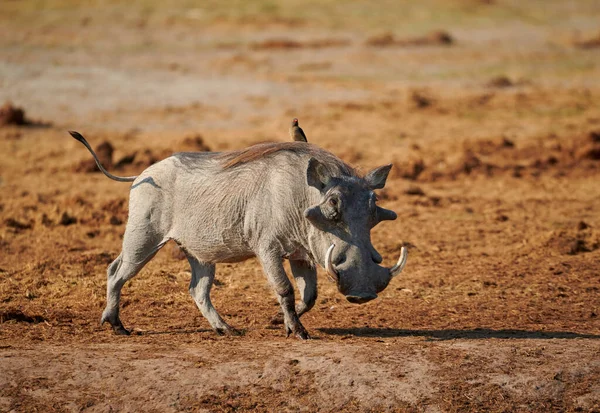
(264, 150)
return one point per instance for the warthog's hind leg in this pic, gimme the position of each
(122, 269)
(200, 285)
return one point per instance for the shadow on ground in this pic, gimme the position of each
(450, 334)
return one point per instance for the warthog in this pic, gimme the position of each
(273, 201)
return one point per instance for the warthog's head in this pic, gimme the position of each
(341, 231)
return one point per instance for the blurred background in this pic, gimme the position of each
(251, 65)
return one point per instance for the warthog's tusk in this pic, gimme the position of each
(331, 272)
(397, 269)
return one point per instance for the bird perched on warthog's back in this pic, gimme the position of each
(296, 132)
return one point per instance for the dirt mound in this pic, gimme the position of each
(420, 99)
(105, 154)
(592, 42)
(500, 82)
(149, 156)
(408, 170)
(287, 44)
(67, 219)
(115, 211)
(16, 116)
(436, 38)
(12, 115)
(490, 157)
(17, 225)
(356, 106)
(574, 241)
(194, 143)
(20, 317)
(414, 190)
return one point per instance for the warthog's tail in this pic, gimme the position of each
(81, 139)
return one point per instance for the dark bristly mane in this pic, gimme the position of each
(260, 151)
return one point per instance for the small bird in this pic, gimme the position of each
(296, 132)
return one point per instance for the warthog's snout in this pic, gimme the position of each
(360, 299)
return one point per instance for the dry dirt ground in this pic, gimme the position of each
(488, 110)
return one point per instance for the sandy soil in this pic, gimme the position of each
(494, 132)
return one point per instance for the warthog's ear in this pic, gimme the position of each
(377, 177)
(317, 175)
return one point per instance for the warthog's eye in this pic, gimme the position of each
(331, 208)
(373, 209)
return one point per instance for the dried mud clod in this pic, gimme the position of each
(500, 82)
(67, 219)
(414, 190)
(471, 163)
(439, 37)
(141, 159)
(582, 226)
(20, 317)
(114, 220)
(46, 220)
(420, 99)
(288, 44)
(149, 156)
(576, 155)
(17, 225)
(435, 38)
(381, 40)
(112, 212)
(507, 143)
(410, 170)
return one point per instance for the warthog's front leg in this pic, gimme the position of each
(306, 280)
(203, 276)
(273, 267)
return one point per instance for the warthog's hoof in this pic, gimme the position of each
(299, 332)
(303, 335)
(228, 331)
(117, 326)
(121, 331)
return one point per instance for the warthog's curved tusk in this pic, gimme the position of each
(331, 272)
(397, 269)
